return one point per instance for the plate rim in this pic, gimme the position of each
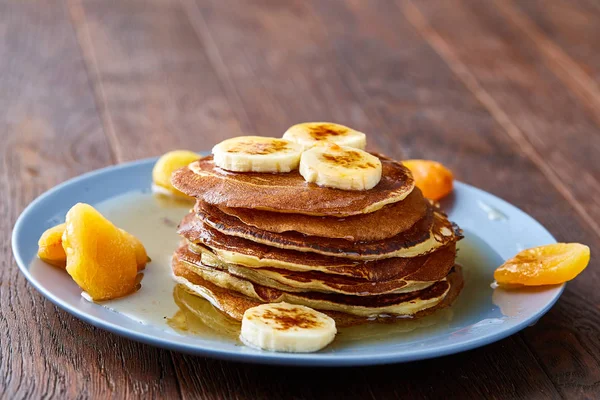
(297, 359)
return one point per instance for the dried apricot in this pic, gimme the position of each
(434, 180)
(100, 257)
(544, 265)
(141, 257)
(50, 247)
(167, 164)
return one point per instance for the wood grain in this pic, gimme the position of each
(92, 83)
(159, 91)
(51, 131)
(542, 122)
(282, 67)
(571, 29)
(576, 78)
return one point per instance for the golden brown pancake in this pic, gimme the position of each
(367, 306)
(235, 304)
(371, 271)
(230, 302)
(203, 311)
(234, 250)
(381, 224)
(289, 192)
(418, 273)
(429, 233)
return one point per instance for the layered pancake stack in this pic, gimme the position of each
(356, 255)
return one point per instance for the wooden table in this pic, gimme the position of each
(504, 92)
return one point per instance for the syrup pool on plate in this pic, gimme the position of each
(153, 218)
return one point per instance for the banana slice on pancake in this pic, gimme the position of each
(310, 133)
(257, 154)
(287, 327)
(340, 167)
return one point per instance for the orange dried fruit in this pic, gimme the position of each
(141, 257)
(166, 165)
(545, 265)
(50, 247)
(100, 257)
(434, 179)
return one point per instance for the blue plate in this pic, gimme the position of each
(494, 231)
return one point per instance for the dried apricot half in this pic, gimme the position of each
(141, 257)
(50, 248)
(545, 265)
(167, 164)
(434, 179)
(100, 257)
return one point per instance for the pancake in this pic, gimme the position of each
(230, 302)
(234, 304)
(403, 304)
(234, 250)
(371, 271)
(382, 224)
(417, 275)
(413, 274)
(429, 233)
(203, 310)
(289, 192)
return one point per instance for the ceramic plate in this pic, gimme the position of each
(494, 231)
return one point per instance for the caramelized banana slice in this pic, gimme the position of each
(287, 327)
(340, 167)
(310, 133)
(257, 154)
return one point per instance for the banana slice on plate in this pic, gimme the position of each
(310, 133)
(257, 154)
(340, 167)
(287, 328)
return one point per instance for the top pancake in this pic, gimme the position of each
(382, 224)
(289, 192)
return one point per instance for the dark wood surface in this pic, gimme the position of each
(504, 92)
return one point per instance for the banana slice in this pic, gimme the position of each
(257, 154)
(340, 167)
(287, 327)
(310, 133)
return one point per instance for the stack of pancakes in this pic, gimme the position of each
(358, 256)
